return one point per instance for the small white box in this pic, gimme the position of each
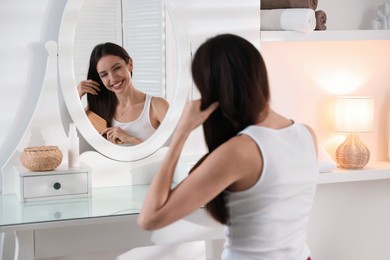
(61, 183)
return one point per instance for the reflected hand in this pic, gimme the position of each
(88, 86)
(117, 135)
(193, 117)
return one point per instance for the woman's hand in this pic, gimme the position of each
(88, 86)
(193, 117)
(116, 135)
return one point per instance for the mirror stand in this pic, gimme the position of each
(112, 173)
(42, 119)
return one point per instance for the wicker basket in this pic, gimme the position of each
(41, 158)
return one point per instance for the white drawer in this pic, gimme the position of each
(61, 183)
(55, 185)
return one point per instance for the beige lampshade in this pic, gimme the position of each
(354, 114)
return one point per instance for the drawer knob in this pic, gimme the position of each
(57, 186)
(57, 214)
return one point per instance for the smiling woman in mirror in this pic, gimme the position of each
(120, 112)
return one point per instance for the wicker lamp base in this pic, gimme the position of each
(352, 154)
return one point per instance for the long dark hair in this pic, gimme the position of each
(104, 104)
(230, 70)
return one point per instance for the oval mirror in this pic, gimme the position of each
(177, 58)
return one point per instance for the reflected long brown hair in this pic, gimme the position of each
(229, 69)
(104, 104)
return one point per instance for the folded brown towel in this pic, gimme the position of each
(320, 20)
(281, 4)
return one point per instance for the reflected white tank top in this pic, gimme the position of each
(141, 127)
(268, 220)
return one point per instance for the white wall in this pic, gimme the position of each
(349, 14)
(16, 16)
(306, 76)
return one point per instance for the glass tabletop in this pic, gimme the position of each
(104, 202)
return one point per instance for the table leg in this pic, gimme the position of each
(24, 245)
(7, 245)
(214, 249)
(2, 241)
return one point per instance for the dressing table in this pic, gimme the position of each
(106, 221)
(109, 215)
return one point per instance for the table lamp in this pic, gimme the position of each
(353, 115)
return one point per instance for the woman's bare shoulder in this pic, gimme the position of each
(243, 159)
(160, 103)
(159, 108)
(241, 148)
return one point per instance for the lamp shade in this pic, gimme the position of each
(354, 114)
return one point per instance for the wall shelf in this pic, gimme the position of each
(374, 171)
(337, 35)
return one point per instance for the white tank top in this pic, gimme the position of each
(141, 127)
(268, 220)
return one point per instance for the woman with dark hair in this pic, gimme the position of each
(131, 115)
(260, 174)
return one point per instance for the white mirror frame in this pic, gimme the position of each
(76, 110)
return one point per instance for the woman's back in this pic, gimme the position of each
(260, 174)
(267, 221)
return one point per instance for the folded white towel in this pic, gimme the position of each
(290, 19)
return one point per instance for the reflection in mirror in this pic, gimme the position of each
(170, 54)
(139, 28)
(130, 115)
